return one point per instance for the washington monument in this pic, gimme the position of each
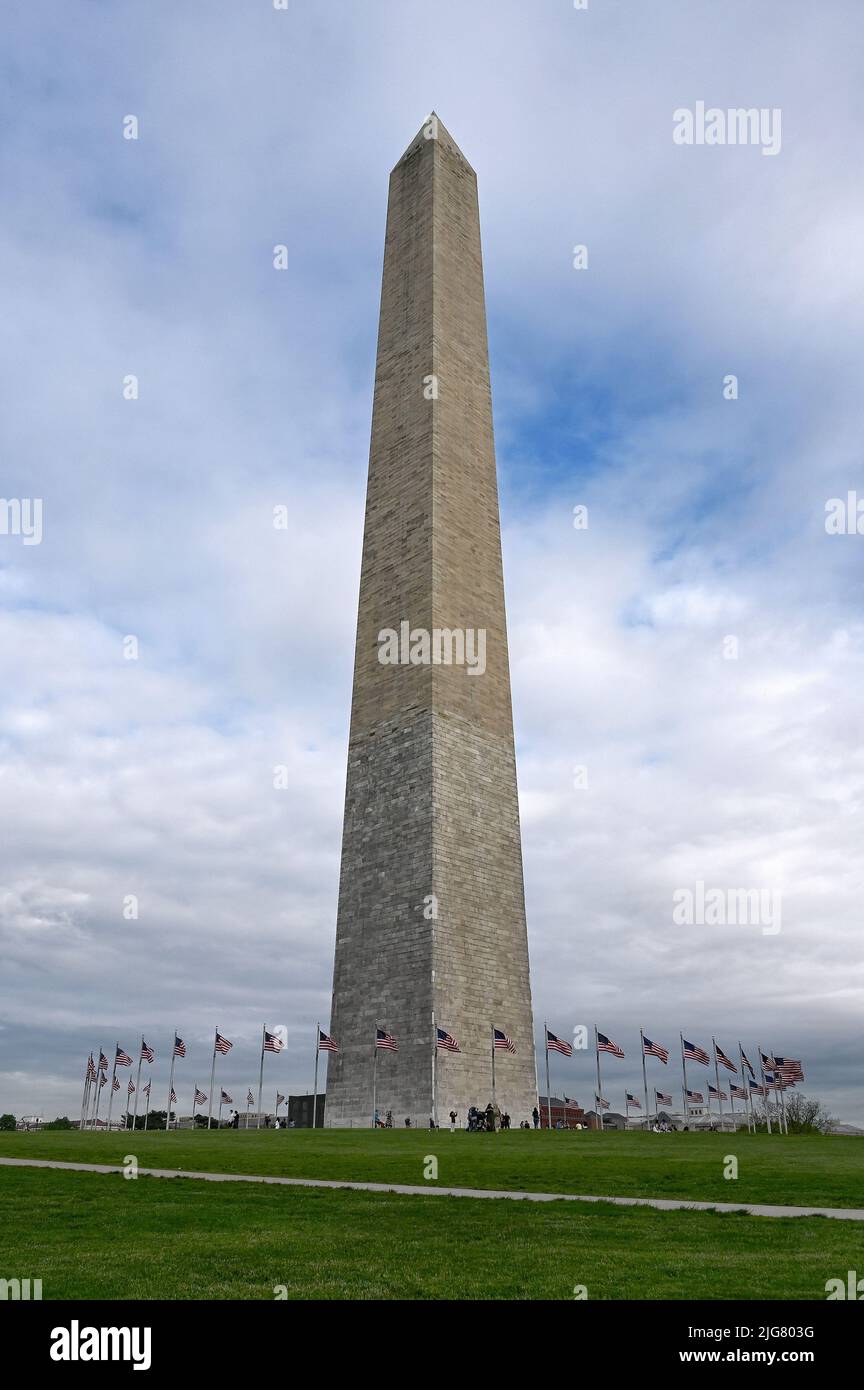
(431, 929)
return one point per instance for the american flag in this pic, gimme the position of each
(724, 1060)
(767, 1062)
(325, 1043)
(199, 1098)
(745, 1059)
(696, 1096)
(661, 1099)
(130, 1089)
(146, 1089)
(280, 1100)
(103, 1062)
(601, 1103)
(771, 1082)
(272, 1043)
(386, 1040)
(102, 1080)
(447, 1042)
(789, 1069)
(115, 1084)
(226, 1099)
(571, 1104)
(222, 1044)
(558, 1045)
(631, 1100)
(122, 1059)
(605, 1044)
(652, 1049)
(755, 1088)
(179, 1047)
(250, 1099)
(738, 1091)
(501, 1042)
(147, 1053)
(695, 1053)
(91, 1070)
(712, 1090)
(173, 1096)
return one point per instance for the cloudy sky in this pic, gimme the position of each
(153, 777)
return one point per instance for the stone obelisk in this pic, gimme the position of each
(431, 926)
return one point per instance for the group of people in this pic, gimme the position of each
(486, 1121)
(490, 1119)
(278, 1123)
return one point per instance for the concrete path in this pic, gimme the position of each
(661, 1203)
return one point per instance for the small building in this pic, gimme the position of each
(565, 1114)
(300, 1111)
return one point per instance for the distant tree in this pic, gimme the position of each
(61, 1122)
(806, 1116)
(7, 1122)
(155, 1120)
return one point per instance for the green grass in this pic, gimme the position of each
(798, 1170)
(88, 1235)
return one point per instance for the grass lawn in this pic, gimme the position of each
(802, 1171)
(88, 1235)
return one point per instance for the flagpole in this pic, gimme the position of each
(375, 1076)
(434, 1071)
(599, 1087)
(212, 1074)
(138, 1082)
(548, 1092)
(248, 1103)
(315, 1092)
(261, 1076)
(111, 1097)
(147, 1111)
(764, 1088)
(684, 1069)
(782, 1101)
(171, 1081)
(745, 1081)
(777, 1100)
(98, 1087)
(219, 1121)
(86, 1094)
(194, 1103)
(493, 1065)
(717, 1079)
(644, 1076)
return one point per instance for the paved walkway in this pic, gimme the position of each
(661, 1203)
